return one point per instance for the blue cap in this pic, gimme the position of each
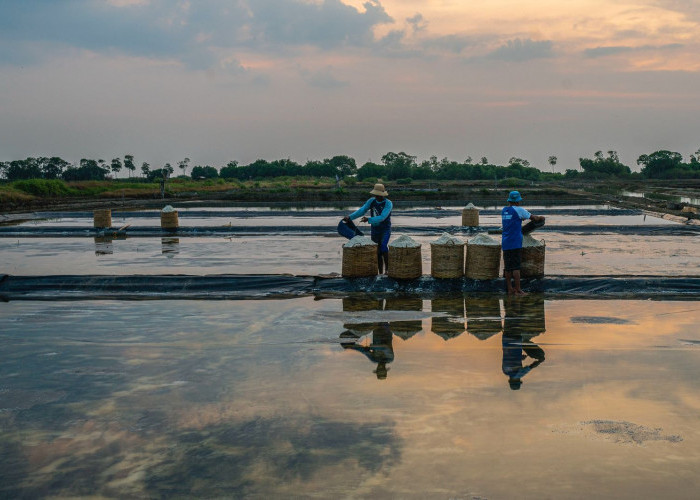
(514, 197)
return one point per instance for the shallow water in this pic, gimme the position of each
(396, 398)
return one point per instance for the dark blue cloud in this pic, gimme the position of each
(522, 50)
(620, 49)
(186, 32)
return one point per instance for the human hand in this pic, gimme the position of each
(346, 218)
(364, 219)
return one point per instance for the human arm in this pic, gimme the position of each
(388, 206)
(360, 211)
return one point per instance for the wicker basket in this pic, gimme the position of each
(405, 329)
(470, 217)
(453, 325)
(446, 261)
(360, 261)
(483, 316)
(532, 260)
(169, 220)
(102, 218)
(405, 263)
(483, 261)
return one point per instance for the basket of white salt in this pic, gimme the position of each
(483, 258)
(470, 216)
(447, 257)
(168, 218)
(360, 257)
(102, 218)
(405, 258)
(532, 257)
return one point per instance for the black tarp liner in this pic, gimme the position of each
(140, 287)
(82, 231)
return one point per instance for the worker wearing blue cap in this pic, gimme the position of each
(512, 239)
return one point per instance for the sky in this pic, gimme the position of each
(224, 80)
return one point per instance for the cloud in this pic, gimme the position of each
(522, 50)
(451, 43)
(620, 49)
(417, 22)
(322, 79)
(190, 32)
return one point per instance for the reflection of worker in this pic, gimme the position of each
(380, 221)
(380, 350)
(512, 239)
(516, 347)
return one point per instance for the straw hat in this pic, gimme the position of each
(379, 190)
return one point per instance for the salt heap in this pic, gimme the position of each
(448, 239)
(469, 207)
(359, 241)
(529, 241)
(483, 239)
(404, 241)
(167, 209)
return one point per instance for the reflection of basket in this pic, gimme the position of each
(358, 304)
(446, 261)
(453, 325)
(532, 264)
(405, 263)
(483, 258)
(483, 316)
(405, 329)
(532, 310)
(103, 245)
(470, 217)
(102, 218)
(169, 220)
(359, 261)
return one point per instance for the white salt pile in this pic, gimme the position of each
(529, 241)
(404, 241)
(359, 241)
(470, 207)
(448, 239)
(483, 239)
(168, 209)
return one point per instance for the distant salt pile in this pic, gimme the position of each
(360, 257)
(405, 258)
(447, 257)
(470, 216)
(483, 258)
(532, 265)
(168, 218)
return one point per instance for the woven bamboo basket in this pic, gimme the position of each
(453, 325)
(360, 261)
(405, 329)
(446, 261)
(483, 316)
(169, 220)
(470, 217)
(102, 218)
(405, 263)
(483, 261)
(532, 258)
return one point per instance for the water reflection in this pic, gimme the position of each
(103, 245)
(452, 324)
(522, 322)
(379, 351)
(483, 316)
(170, 246)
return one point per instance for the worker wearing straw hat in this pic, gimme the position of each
(512, 239)
(380, 221)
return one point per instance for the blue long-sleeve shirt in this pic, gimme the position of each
(373, 220)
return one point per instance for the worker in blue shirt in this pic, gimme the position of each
(379, 208)
(512, 239)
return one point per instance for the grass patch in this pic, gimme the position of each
(43, 188)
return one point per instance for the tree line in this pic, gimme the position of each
(661, 164)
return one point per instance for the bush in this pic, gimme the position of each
(43, 187)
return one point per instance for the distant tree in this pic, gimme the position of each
(89, 170)
(116, 166)
(398, 165)
(468, 161)
(206, 172)
(342, 165)
(145, 169)
(231, 171)
(552, 161)
(518, 161)
(23, 169)
(602, 167)
(371, 169)
(129, 164)
(168, 169)
(183, 165)
(657, 165)
(53, 167)
(484, 160)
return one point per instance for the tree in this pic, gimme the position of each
(398, 165)
(145, 169)
(167, 170)
(601, 167)
(116, 166)
(129, 164)
(514, 161)
(552, 161)
(206, 172)
(484, 160)
(342, 165)
(183, 165)
(659, 164)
